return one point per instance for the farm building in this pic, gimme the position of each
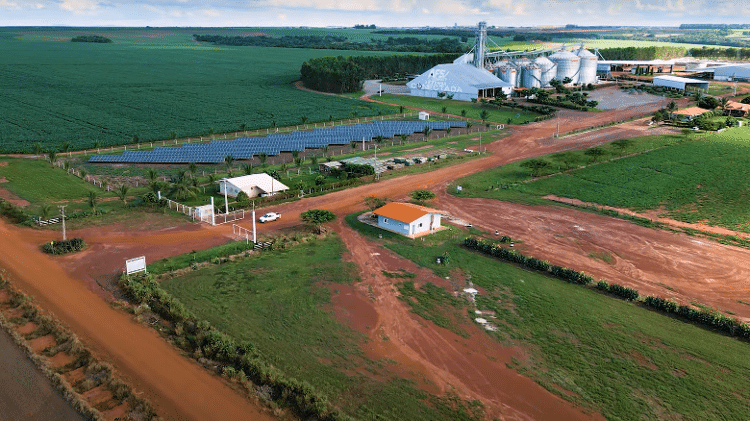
(328, 167)
(408, 219)
(737, 109)
(689, 114)
(253, 185)
(733, 72)
(376, 164)
(679, 83)
(464, 81)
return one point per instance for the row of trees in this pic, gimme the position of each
(339, 42)
(642, 53)
(91, 38)
(346, 74)
(719, 52)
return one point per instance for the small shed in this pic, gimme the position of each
(738, 109)
(327, 167)
(679, 83)
(424, 115)
(253, 185)
(408, 219)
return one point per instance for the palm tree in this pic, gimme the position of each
(93, 199)
(228, 161)
(304, 119)
(724, 102)
(426, 131)
(379, 139)
(122, 193)
(37, 148)
(247, 169)
(484, 115)
(263, 157)
(65, 147)
(325, 150)
(152, 175)
(463, 113)
(193, 168)
(448, 130)
(404, 137)
(183, 189)
(96, 145)
(52, 157)
(45, 211)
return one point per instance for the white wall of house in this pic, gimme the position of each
(428, 222)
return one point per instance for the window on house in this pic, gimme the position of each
(385, 220)
(420, 225)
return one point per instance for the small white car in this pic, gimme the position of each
(270, 216)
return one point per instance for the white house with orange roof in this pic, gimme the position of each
(408, 219)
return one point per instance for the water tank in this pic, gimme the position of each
(507, 73)
(532, 76)
(587, 72)
(548, 70)
(567, 64)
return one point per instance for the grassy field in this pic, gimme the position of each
(703, 179)
(457, 107)
(623, 361)
(38, 183)
(150, 83)
(279, 301)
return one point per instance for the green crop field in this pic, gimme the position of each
(612, 356)
(455, 107)
(703, 179)
(279, 301)
(149, 83)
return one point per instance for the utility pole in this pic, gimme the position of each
(558, 124)
(226, 201)
(62, 213)
(254, 237)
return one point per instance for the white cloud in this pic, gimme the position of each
(5, 4)
(211, 13)
(81, 7)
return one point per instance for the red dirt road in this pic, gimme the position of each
(178, 388)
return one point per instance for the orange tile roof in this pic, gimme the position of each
(732, 105)
(404, 212)
(691, 111)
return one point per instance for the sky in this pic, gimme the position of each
(383, 13)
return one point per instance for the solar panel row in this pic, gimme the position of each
(247, 147)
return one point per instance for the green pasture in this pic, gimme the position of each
(694, 177)
(454, 107)
(602, 353)
(280, 301)
(37, 182)
(622, 43)
(157, 85)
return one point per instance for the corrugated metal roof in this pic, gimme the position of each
(679, 79)
(263, 181)
(404, 212)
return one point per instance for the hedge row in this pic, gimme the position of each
(64, 247)
(240, 359)
(700, 317)
(565, 274)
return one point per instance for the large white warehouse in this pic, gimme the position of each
(464, 81)
(733, 72)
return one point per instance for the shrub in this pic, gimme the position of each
(64, 247)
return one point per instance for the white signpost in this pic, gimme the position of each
(135, 265)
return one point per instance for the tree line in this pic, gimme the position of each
(337, 42)
(719, 52)
(642, 53)
(346, 74)
(91, 38)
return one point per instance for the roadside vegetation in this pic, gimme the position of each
(615, 357)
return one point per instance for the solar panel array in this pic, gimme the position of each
(247, 147)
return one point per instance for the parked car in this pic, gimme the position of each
(270, 216)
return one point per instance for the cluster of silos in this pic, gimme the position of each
(580, 67)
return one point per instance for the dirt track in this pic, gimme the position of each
(181, 389)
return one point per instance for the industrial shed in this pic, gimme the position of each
(408, 219)
(254, 185)
(733, 72)
(679, 83)
(464, 81)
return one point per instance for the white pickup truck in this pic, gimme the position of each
(270, 216)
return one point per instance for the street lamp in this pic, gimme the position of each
(226, 201)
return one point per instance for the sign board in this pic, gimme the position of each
(135, 265)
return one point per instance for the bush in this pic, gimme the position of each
(64, 247)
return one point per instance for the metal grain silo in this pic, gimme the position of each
(548, 70)
(587, 72)
(507, 73)
(532, 76)
(520, 64)
(567, 65)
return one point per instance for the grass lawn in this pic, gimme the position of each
(623, 361)
(693, 179)
(455, 107)
(278, 300)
